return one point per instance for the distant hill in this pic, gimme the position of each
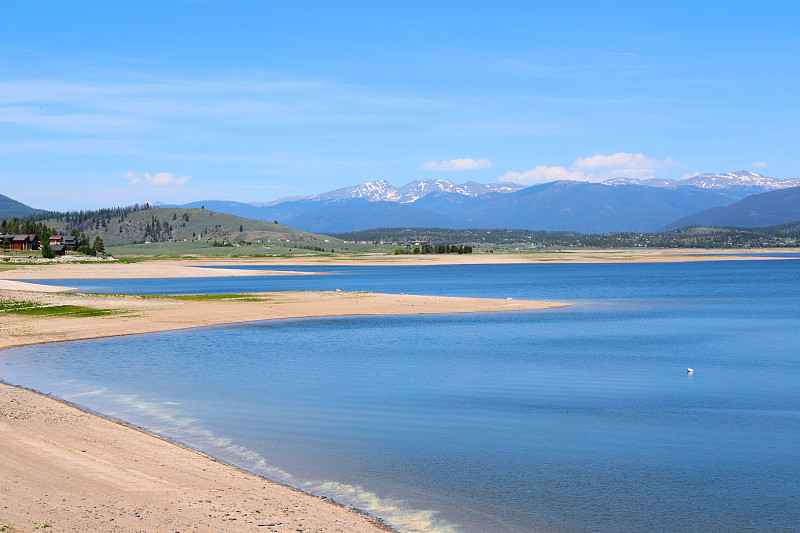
(177, 224)
(10, 208)
(766, 209)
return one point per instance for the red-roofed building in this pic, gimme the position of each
(56, 240)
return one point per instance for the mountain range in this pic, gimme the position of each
(742, 183)
(741, 199)
(611, 206)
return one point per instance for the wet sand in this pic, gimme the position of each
(67, 470)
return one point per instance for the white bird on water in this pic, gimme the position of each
(690, 370)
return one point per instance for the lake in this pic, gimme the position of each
(574, 419)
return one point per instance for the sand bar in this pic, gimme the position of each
(145, 314)
(78, 472)
(145, 269)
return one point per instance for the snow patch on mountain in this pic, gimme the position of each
(383, 191)
(742, 179)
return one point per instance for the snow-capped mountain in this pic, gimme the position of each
(413, 191)
(743, 180)
(383, 191)
(651, 182)
(620, 204)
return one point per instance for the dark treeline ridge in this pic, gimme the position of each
(688, 237)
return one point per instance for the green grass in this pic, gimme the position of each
(242, 297)
(210, 297)
(16, 307)
(8, 528)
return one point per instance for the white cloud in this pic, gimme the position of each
(541, 174)
(760, 164)
(462, 163)
(621, 164)
(157, 179)
(594, 168)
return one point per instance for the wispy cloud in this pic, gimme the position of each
(159, 179)
(759, 164)
(593, 168)
(461, 163)
(239, 101)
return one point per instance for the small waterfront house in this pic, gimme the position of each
(59, 249)
(69, 242)
(25, 242)
(55, 240)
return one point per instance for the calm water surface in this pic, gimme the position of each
(576, 419)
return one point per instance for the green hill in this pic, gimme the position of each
(10, 208)
(174, 224)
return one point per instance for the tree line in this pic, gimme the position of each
(435, 249)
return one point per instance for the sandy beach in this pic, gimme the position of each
(74, 471)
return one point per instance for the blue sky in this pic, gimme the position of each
(110, 103)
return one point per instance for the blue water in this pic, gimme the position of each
(575, 419)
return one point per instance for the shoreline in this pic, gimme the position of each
(188, 267)
(137, 509)
(72, 468)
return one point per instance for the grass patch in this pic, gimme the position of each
(209, 297)
(16, 307)
(242, 297)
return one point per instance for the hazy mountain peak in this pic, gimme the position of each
(739, 179)
(752, 182)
